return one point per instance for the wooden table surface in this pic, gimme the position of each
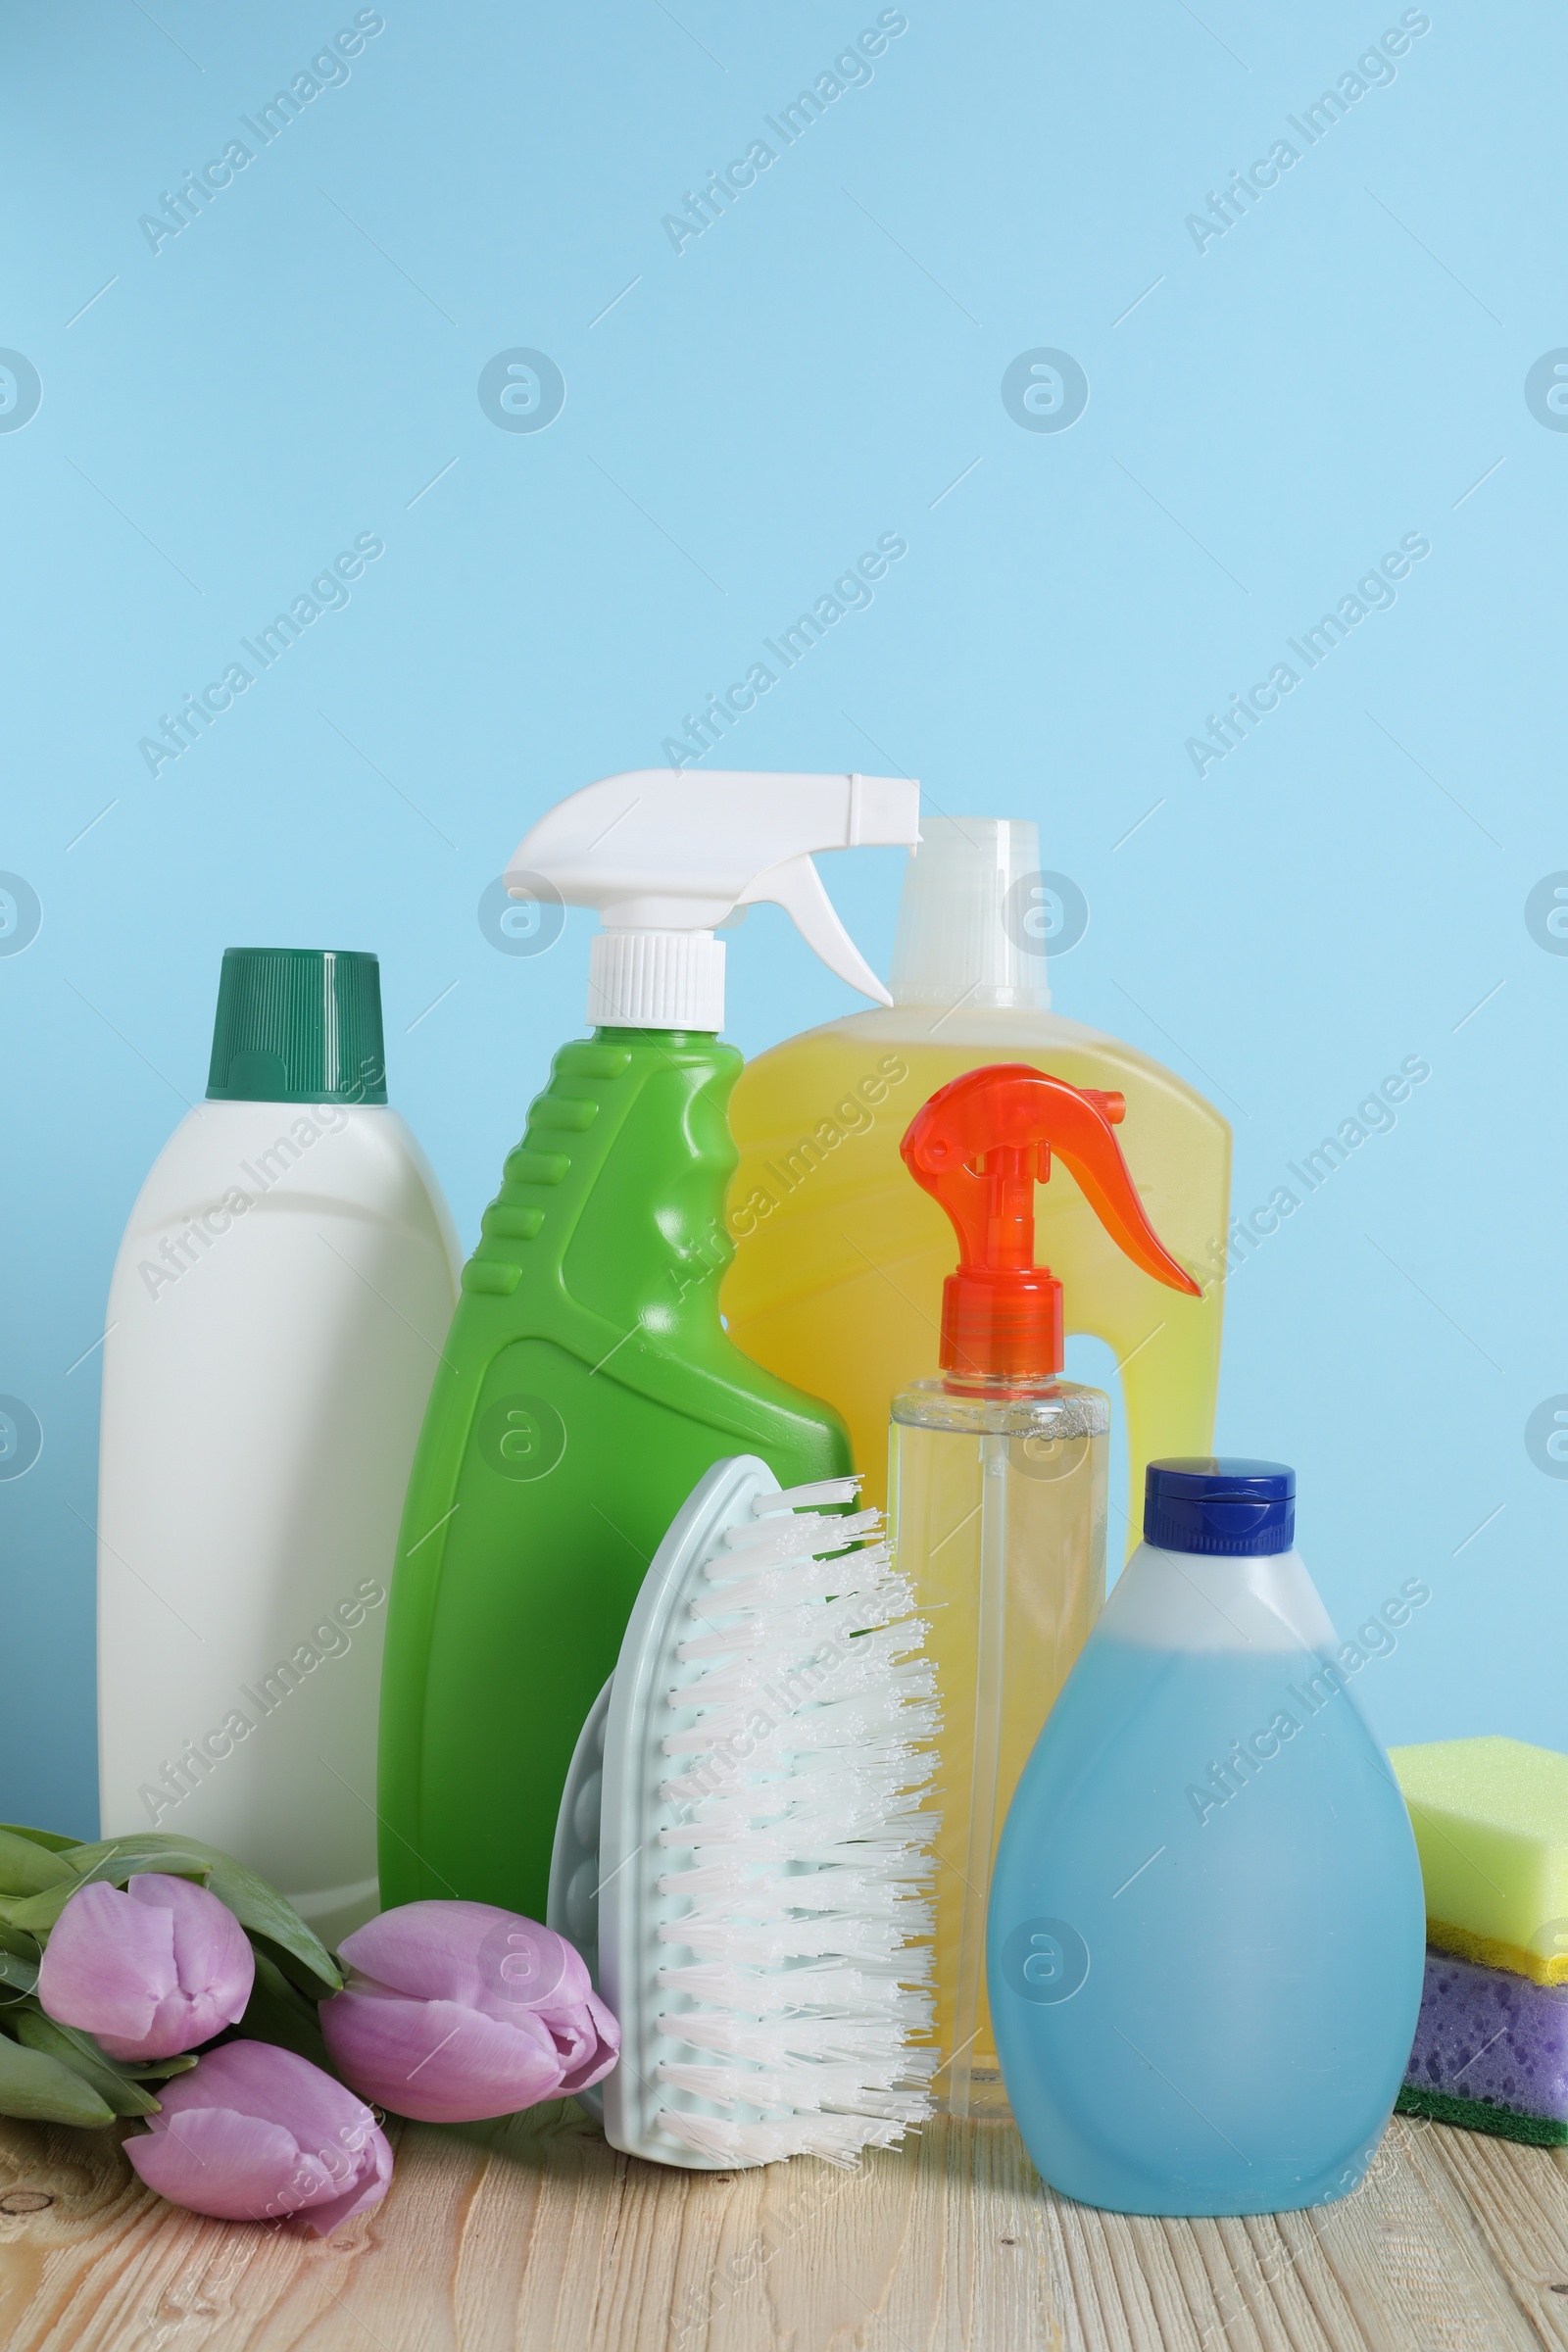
(531, 2236)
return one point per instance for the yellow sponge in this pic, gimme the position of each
(1490, 1820)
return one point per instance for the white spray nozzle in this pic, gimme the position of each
(668, 855)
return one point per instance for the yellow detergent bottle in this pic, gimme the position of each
(840, 1260)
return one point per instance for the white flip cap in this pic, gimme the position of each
(668, 855)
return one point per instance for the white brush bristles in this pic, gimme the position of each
(797, 1910)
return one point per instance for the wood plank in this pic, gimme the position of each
(1401, 2263)
(1407, 2261)
(1142, 2285)
(1517, 2201)
(531, 2236)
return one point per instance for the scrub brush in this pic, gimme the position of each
(743, 1851)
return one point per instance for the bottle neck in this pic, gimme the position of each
(973, 917)
(690, 1041)
(1000, 1386)
(656, 980)
(1002, 1322)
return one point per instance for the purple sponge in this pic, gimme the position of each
(1491, 2051)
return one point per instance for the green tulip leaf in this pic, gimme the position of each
(40, 2089)
(308, 1977)
(81, 2053)
(112, 1862)
(277, 2011)
(48, 1838)
(143, 1849)
(38, 1912)
(18, 1971)
(156, 2070)
(262, 1912)
(26, 1868)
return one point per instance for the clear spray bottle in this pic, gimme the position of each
(997, 1480)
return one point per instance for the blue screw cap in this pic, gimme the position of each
(1219, 1504)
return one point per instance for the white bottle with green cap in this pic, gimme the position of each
(277, 1312)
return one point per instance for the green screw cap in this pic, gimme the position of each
(298, 1025)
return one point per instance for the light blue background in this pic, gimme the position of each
(1344, 891)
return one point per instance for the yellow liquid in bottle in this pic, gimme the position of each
(998, 1516)
(840, 1257)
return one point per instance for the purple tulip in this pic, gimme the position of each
(455, 2011)
(151, 1971)
(256, 2133)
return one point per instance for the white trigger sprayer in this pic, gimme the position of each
(668, 855)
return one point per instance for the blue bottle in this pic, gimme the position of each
(1206, 1929)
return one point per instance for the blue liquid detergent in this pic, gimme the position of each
(1205, 2001)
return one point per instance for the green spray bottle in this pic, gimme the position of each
(587, 1382)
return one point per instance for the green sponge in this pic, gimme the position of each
(1491, 1820)
(1503, 2122)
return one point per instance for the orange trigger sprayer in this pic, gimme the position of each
(979, 1147)
(996, 1486)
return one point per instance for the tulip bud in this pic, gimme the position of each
(256, 2133)
(151, 1971)
(455, 2011)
